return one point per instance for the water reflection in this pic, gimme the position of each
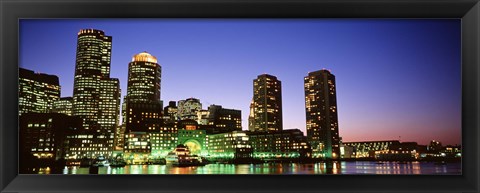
(360, 167)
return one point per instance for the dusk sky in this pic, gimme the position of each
(394, 77)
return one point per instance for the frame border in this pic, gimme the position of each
(11, 11)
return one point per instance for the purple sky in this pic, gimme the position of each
(394, 77)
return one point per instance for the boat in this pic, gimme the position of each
(180, 157)
(101, 162)
(118, 163)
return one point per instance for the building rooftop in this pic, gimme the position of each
(144, 57)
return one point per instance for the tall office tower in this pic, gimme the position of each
(63, 106)
(109, 106)
(251, 117)
(143, 105)
(92, 75)
(321, 114)
(144, 76)
(37, 92)
(187, 109)
(267, 98)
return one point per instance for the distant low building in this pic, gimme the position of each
(367, 149)
(400, 151)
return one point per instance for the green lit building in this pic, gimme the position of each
(64, 105)
(285, 144)
(137, 147)
(321, 114)
(191, 136)
(37, 92)
(228, 146)
(164, 141)
(267, 101)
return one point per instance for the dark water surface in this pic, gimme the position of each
(359, 167)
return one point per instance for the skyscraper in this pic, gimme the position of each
(321, 114)
(109, 106)
(37, 92)
(143, 109)
(144, 77)
(96, 96)
(64, 106)
(94, 92)
(267, 99)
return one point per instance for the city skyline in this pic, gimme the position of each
(445, 109)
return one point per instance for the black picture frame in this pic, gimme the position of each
(11, 11)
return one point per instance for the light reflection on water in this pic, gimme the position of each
(360, 167)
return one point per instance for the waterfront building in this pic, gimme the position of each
(267, 98)
(452, 151)
(42, 136)
(119, 138)
(187, 109)
(165, 140)
(37, 92)
(191, 136)
(59, 136)
(347, 152)
(64, 105)
(367, 149)
(289, 143)
(321, 114)
(96, 96)
(142, 108)
(399, 151)
(137, 147)
(90, 144)
(228, 146)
